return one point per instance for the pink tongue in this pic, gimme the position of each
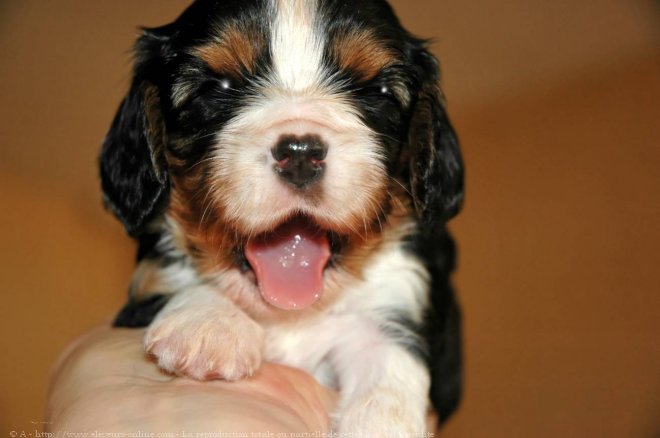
(289, 264)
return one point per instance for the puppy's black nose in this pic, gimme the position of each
(299, 160)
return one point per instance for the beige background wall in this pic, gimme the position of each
(557, 104)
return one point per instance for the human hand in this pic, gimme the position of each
(104, 383)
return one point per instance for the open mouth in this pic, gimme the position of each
(289, 262)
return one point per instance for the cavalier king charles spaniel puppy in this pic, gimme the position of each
(287, 168)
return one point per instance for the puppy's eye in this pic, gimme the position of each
(225, 83)
(382, 91)
(378, 90)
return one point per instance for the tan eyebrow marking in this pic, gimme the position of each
(233, 51)
(360, 52)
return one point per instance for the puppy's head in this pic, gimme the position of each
(256, 125)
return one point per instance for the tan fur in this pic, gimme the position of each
(234, 51)
(360, 52)
(386, 229)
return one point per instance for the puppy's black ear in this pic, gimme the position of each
(436, 166)
(133, 170)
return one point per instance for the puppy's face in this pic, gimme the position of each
(263, 127)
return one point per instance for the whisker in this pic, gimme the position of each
(200, 162)
(401, 185)
(206, 209)
(388, 137)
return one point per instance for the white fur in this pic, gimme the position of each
(250, 192)
(296, 45)
(384, 389)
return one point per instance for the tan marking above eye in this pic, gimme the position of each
(234, 51)
(360, 52)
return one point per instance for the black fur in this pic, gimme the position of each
(442, 326)
(436, 185)
(436, 165)
(407, 333)
(133, 173)
(140, 313)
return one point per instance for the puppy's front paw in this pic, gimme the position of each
(205, 343)
(382, 413)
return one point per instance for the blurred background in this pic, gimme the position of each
(557, 104)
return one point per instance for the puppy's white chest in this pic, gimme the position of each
(306, 346)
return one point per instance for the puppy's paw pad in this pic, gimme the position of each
(205, 344)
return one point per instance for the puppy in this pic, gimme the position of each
(287, 169)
